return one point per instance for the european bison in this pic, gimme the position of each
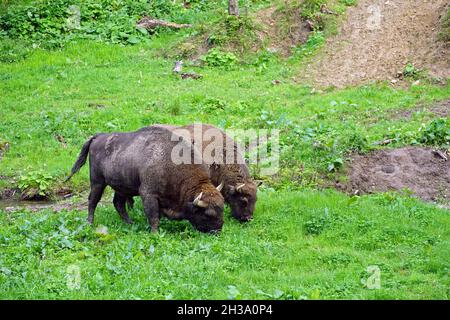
(140, 164)
(239, 189)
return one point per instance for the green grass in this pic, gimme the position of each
(301, 245)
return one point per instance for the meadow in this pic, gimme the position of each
(306, 241)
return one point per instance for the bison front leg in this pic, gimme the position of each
(151, 208)
(119, 203)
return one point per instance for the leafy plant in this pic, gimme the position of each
(436, 133)
(263, 60)
(412, 72)
(335, 164)
(35, 184)
(317, 224)
(213, 104)
(356, 142)
(268, 119)
(218, 58)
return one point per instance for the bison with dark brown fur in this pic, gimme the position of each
(239, 189)
(140, 164)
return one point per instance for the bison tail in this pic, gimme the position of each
(81, 158)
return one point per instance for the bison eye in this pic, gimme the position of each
(243, 202)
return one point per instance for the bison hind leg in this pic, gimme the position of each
(119, 202)
(94, 197)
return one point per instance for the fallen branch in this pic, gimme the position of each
(149, 24)
(192, 75)
(384, 142)
(440, 154)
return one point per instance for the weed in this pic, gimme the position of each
(411, 71)
(436, 133)
(335, 164)
(263, 60)
(317, 224)
(212, 105)
(218, 58)
(356, 142)
(35, 184)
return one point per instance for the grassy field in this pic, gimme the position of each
(301, 245)
(304, 243)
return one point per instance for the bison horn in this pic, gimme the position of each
(239, 187)
(199, 203)
(220, 187)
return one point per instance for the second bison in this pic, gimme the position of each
(239, 190)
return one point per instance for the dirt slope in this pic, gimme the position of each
(379, 38)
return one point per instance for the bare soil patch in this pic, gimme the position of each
(36, 206)
(419, 170)
(379, 38)
(439, 110)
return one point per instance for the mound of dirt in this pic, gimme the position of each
(379, 38)
(420, 170)
(281, 31)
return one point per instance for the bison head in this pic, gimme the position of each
(205, 212)
(242, 199)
